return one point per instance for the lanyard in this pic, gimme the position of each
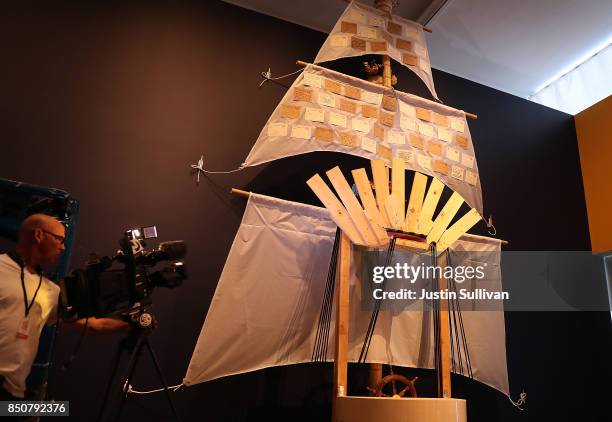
(25, 294)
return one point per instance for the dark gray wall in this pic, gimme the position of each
(112, 102)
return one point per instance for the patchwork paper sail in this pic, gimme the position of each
(328, 111)
(364, 30)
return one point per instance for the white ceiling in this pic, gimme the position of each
(515, 46)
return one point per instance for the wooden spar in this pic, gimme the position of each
(245, 194)
(303, 63)
(240, 192)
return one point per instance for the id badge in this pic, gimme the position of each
(22, 330)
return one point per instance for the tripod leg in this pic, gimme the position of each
(130, 371)
(162, 380)
(109, 384)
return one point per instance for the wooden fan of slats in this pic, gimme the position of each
(366, 222)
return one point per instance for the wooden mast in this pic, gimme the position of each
(385, 6)
(444, 389)
(342, 321)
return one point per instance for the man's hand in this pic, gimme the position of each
(103, 325)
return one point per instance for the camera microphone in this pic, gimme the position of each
(173, 250)
(166, 251)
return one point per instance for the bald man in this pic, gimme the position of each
(28, 300)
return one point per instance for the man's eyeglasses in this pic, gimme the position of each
(60, 239)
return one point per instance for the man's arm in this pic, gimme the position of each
(94, 325)
(101, 325)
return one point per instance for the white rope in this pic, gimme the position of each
(268, 76)
(491, 226)
(200, 169)
(521, 401)
(130, 390)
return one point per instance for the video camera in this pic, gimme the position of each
(101, 291)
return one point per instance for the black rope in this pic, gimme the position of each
(435, 305)
(374, 317)
(467, 351)
(378, 304)
(455, 347)
(461, 331)
(455, 343)
(319, 352)
(322, 337)
(324, 319)
(452, 339)
(452, 323)
(330, 298)
(463, 336)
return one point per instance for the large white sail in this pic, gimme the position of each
(324, 110)
(266, 306)
(364, 30)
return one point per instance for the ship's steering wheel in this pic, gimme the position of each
(393, 379)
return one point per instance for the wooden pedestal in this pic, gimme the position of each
(387, 409)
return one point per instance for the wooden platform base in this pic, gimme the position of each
(387, 409)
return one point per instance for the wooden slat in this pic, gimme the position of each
(380, 233)
(432, 198)
(415, 203)
(381, 184)
(398, 186)
(367, 196)
(337, 212)
(396, 217)
(457, 230)
(444, 218)
(348, 198)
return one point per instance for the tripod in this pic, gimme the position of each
(137, 339)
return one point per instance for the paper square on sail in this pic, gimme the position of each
(401, 39)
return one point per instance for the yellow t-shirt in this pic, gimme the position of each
(17, 354)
